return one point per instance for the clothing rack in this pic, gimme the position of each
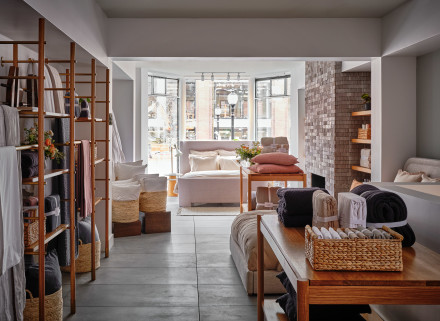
(38, 248)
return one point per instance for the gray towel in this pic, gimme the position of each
(2, 128)
(12, 125)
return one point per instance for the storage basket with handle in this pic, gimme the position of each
(31, 224)
(354, 254)
(53, 307)
(83, 263)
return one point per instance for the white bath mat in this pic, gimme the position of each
(208, 211)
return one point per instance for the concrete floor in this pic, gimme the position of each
(185, 275)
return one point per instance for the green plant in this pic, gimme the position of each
(366, 98)
(248, 152)
(50, 151)
(87, 99)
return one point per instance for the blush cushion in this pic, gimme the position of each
(275, 169)
(275, 158)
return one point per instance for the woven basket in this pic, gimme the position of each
(354, 254)
(53, 307)
(83, 263)
(153, 201)
(364, 133)
(31, 230)
(125, 211)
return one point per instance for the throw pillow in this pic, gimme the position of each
(275, 158)
(203, 163)
(354, 184)
(405, 177)
(427, 179)
(228, 163)
(275, 169)
(223, 152)
(125, 171)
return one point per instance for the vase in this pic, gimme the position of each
(367, 106)
(245, 163)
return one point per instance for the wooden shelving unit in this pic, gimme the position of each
(361, 169)
(48, 173)
(361, 141)
(49, 236)
(361, 113)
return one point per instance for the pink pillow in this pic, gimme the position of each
(275, 158)
(275, 169)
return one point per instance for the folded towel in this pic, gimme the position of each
(389, 209)
(85, 109)
(351, 234)
(325, 210)
(359, 234)
(334, 234)
(29, 158)
(325, 233)
(317, 232)
(67, 104)
(52, 205)
(12, 125)
(342, 234)
(30, 201)
(29, 171)
(376, 233)
(352, 210)
(358, 190)
(267, 197)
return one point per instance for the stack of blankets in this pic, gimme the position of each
(267, 198)
(318, 311)
(275, 144)
(52, 212)
(275, 163)
(325, 210)
(368, 206)
(295, 207)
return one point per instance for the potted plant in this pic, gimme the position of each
(367, 101)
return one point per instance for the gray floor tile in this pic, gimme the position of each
(151, 295)
(168, 238)
(182, 230)
(230, 313)
(127, 276)
(227, 295)
(214, 218)
(154, 248)
(212, 223)
(212, 238)
(205, 260)
(213, 248)
(133, 314)
(213, 230)
(171, 260)
(216, 275)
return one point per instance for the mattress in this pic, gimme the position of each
(213, 174)
(244, 233)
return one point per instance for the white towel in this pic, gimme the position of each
(2, 128)
(11, 226)
(317, 232)
(352, 210)
(326, 233)
(158, 184)
(325, 210)
(334, 234)
(12, 125)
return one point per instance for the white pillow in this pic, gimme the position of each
(129, 192)
(427, 179)
(228, 163)
(223, 152)
(203, 163)
(203, 152)
(157, 184)
(129, 171)
(405, 177)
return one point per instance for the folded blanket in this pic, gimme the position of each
(388, 208)
(85, 109)
(29, 158)
(358, 190)
(352, 210)
(275, 169)
(53, 276)
(67, 104)
(29, 171)
(275, 158)
(85, 231)
(325, 210)
(267, 197)
(153, 184)
(52, 205)
(295, 208)
(30, 201)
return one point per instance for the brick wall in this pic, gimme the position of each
(330, 97)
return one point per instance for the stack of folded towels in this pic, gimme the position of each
(275, 163)
(295, 207)
(267, 198)
(318, 311)
(325, 210)
(29, 163)
(360, 232)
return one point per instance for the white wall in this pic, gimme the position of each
(244, 37)
(297, 112)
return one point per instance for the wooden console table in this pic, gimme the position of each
(418, 283)
(258, 177)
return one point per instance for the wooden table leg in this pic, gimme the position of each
(260, 270)
(303, 300)
(304, 180)
(241, 189)
(249, 195)
(285, 184)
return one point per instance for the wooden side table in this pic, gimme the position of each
(258, 177)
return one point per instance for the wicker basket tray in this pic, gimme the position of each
(354, 254)
(153, 201)
(125, 211)
(83, 263)
(364, 133)
(53, 307)
(31, 230)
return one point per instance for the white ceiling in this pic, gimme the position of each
(248, 8)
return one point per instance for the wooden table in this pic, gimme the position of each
(418, 283)
(258, 177)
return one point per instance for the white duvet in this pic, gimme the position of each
(213, 174)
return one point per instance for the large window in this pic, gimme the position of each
(272, 107)
(208, 113)
(163, 122)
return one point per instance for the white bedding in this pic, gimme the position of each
(213, 174)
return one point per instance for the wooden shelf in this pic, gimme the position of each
(48, 174)
(87, 120)
(97, 161)
(49, 236)
(361, 113)
(97, 200)
(273, 311)
(361, 169)
(32, 112)
(361, 141)
(26, 147)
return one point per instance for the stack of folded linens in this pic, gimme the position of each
(295, 207)
(318, 311)
(52, 212)
(274, 144)
(29, 163)
(352, 210)
(365, 160)
(267, 198)
(275, 163)
(325, 210)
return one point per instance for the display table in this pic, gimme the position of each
(418, 283)
(257, 177)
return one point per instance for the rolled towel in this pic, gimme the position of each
(30, 201)
(29, 158)
(326, 233)
(352, 210)
(351, 234)
(325, 210)
(376, 233)
(342, 234)
(317, 232)
(365, 231)
(358, 190)
(389, 209)
(334, 234)
(359, 234)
